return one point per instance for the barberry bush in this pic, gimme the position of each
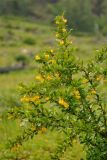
(67, 96)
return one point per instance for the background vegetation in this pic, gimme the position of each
(83, 15)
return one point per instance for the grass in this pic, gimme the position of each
(14, 33)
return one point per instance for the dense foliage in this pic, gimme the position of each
(67, 96)
(83, 15)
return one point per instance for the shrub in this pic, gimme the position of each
(66, 96)
(22, 58)
(29, 41)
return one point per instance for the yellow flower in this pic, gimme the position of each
(51, 51)
(78, 97)
(64, 30)
(29, 99)
(46, 56)
(61, 42)
(37, 57)
(57, 22)
(93, 91)
(35, 98)
(25, 99)
(63, 103)
(76, 94)
(47, 98)
(48, 77)
(52, 61)
(84, 81)
(39, 78)
(64, 20)
(57, 35)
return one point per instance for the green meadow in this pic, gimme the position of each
(21, 37)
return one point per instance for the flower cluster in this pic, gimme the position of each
(30, 99)
(63, 103)
(76, 94)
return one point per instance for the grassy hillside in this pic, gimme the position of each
(20, 36)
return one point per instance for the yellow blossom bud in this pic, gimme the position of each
(35, 98)
(61, 42)
(25, 99)
(39, 78)
(57, 22)
(76, 94)
(78, 97)
(37, 57)
(64, 30)
(52, 61)
(51, 51)
(84, 81)
(57, 35)
(46, 56)
(63, 103)
(64, 20)
(48, 77)
(47, 98)
(93, 91)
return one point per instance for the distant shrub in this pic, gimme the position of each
(29, 41)
(22, 58)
